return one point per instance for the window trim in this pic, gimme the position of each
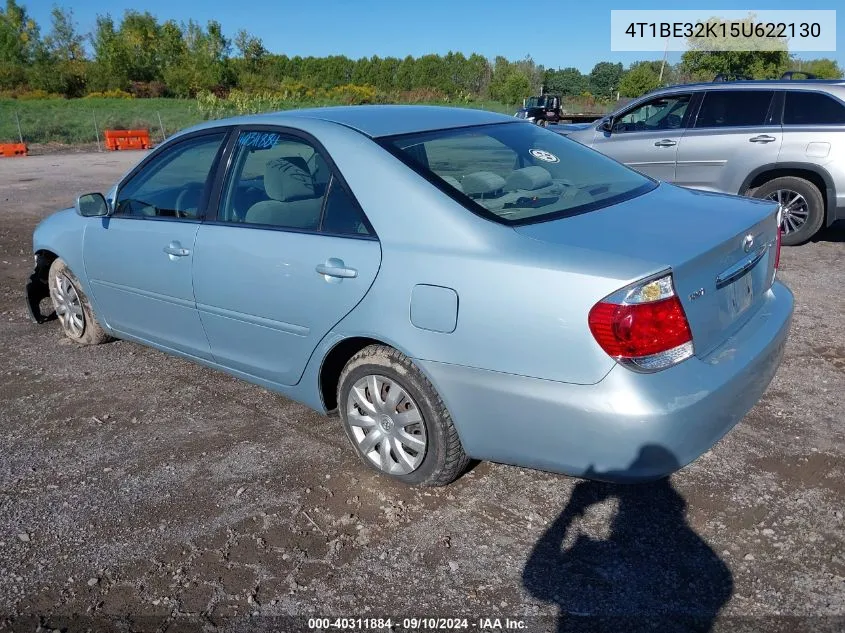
(225, 172)
(815, 125)
(768, 120)
(163, 148)
(386, 143)
(684, 120)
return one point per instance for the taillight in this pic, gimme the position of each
(643, 326)
(779, 239)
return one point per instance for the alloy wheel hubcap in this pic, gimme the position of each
(68, 306)
(794, 207)
(386, 424)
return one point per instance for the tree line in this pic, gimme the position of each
(143, 57)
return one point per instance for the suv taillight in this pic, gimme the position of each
(643, 326)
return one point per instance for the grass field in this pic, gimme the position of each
(72, 121)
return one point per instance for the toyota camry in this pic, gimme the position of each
(453, 283)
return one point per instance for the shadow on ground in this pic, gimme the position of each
(833, 233)
(651, 572)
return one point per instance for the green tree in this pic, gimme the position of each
(60, 64)
(251, 49)
(605, 78)
(568, 82)
(139, 36)
(512, 81)
(111, 66)
(640, 79)
(205, 63)
(756, 57)
(822, 68)
(171, 45)
(19, 44)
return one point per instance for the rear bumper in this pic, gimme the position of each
(628, 427)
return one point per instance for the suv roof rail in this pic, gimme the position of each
(729, 77)
(789, 73)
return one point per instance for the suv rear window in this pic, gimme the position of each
(518, 173)
(734, 108)
(812, 108)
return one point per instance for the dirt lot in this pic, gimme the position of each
(139, 491)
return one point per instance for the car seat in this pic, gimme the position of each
(293, 202)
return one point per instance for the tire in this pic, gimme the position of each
(812, 212)
(439, 460)
(73, 307)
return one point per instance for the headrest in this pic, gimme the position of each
(482, 182)
(285, 180)
(529, 178)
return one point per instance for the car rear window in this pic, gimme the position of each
(812, 108)
(518, 173)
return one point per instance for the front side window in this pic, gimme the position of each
(662, 113)
(171, 185)
(812, 108)
(276, 180)
(734, 108)
(517, 173)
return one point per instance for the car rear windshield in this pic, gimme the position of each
(518, 173)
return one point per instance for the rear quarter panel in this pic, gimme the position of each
(820, 145)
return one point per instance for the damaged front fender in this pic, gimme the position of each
(38, 289)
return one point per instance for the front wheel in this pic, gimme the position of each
(802, 205)
(396, 420)
(72, 306)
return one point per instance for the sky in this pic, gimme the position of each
(573, 34)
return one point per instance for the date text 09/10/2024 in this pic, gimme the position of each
(416, 624)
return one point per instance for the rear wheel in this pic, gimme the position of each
(396, 421)
(72, 306)
(802, 204)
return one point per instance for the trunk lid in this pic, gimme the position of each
(720, 248)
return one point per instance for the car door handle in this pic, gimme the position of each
(666, 143)
(174, 249)
(763, 138)
(336, 268)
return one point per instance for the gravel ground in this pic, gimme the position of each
(142, 492)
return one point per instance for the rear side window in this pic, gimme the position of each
(812, 108)
(343, 216)
(734, 108)
(272, 182)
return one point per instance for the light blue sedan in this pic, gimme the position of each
(456, 284)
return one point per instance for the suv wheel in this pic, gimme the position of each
(802, 203)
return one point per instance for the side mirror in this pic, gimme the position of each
(92, 205)
(606, 125)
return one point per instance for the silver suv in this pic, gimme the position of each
(780, 140)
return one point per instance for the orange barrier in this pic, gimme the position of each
(12, 149)
(127, 139)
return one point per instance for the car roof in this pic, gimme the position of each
(377, 120)
(751, 84)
